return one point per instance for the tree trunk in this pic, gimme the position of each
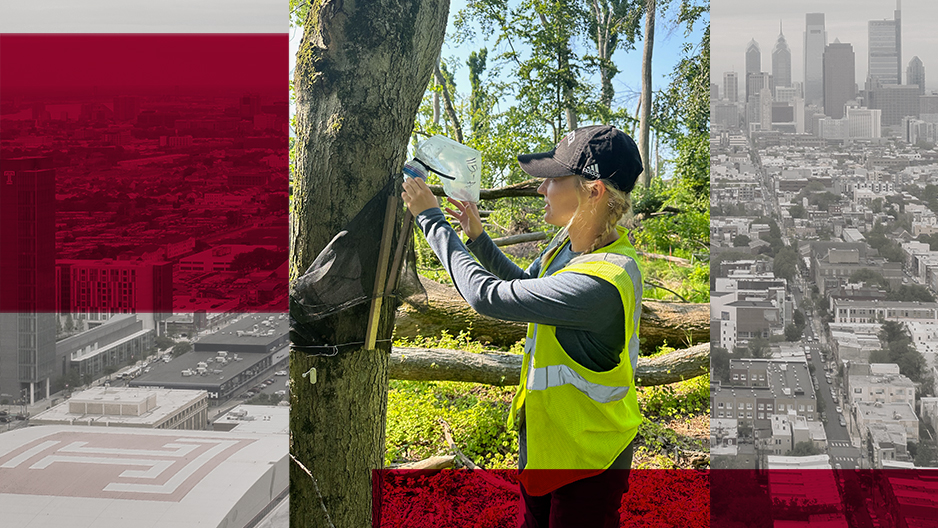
(678, 324)
(645, 119)
(361, 73)
(432, 364)
(436, 107)
(604, 16)
(448, 104)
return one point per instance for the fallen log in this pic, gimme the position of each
(683, 262)
(434, 364)
(518, 239)
(678, 324)
(432, 463)
(525, 188)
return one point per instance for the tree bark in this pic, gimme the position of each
(645, 119)
(678, 324)
(433, 364)
(362, 69)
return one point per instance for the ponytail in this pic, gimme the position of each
(616, 204)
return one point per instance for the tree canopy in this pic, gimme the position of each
(806, 448)
(899, 349)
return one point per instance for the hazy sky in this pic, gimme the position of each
(735, 22)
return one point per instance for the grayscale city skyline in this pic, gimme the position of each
(736, 22)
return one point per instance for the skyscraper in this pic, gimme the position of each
(839, 78)
(815, 39)
(781, 60)
(896, 101)
(885, 51)
(915, 74)
(731, 86)
(27, 269)
(753, 63)
(757, 81)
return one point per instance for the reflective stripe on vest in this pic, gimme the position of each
(557, 375)
(578, 419)
(629, 264)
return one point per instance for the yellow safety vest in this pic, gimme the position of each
(578, 420)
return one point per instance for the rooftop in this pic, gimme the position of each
(70, 476)
(260, 419)
(215, 373)
(802, 479)
(259, 329)
(129, 406)
(886, 411)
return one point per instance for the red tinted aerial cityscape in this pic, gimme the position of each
(138, 176)
(143, 226)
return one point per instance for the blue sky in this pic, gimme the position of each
(669, 40)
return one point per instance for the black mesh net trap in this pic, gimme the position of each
(342, 278)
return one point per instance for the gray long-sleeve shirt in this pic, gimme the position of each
(586, 310)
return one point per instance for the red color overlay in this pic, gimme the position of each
(490, 498)
(906, 498)
(143, 173)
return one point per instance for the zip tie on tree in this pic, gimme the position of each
(316, 486)
(333, 348)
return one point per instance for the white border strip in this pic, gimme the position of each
(145, 16)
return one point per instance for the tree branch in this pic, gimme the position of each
(518, 239)
(433, 364)
(491, 479)
(660, 287)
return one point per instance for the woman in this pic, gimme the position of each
(576, 402)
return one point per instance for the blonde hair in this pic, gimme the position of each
(617, 204)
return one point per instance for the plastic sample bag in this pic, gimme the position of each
(458, 166)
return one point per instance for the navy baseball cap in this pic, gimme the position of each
(599, 152)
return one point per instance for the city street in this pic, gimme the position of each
(840, 446)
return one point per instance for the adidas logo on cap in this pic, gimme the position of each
(592, 170)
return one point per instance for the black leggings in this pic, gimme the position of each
(586, 503)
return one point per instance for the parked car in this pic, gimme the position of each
(839, 409)
(843, 423)
(280, 373)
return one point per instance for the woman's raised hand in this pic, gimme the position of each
(418, 196)
(468, 215)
